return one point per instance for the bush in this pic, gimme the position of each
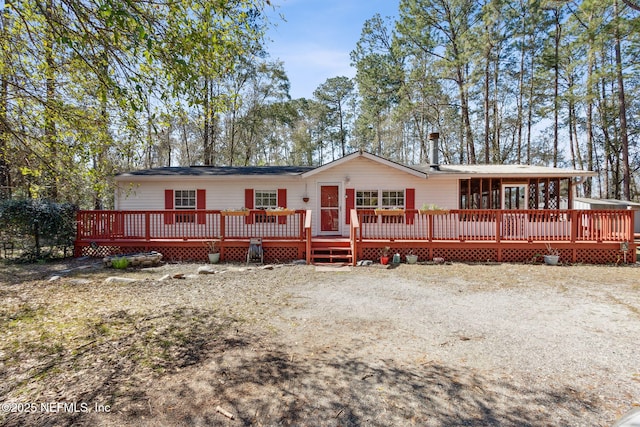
(120, 263)
(42, 229)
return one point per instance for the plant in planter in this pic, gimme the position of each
(433, 209)
(279, 211)
(552, 256)
(384, 255)
(214, 253)
(411, 258)
(235, 212)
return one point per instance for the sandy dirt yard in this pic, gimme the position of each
(423, 345)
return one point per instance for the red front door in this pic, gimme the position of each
(329, 209)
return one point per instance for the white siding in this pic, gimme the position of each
(224, 192)
(364, 174)
(221, 193)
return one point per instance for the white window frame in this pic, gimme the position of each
(270, 196)
(259, 199)
(185, 200)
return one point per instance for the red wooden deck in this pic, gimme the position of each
(581, 236)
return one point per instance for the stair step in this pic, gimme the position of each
(320, 250)
(331, 254)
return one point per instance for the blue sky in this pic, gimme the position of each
(317, 36)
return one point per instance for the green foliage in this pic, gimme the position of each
(120, 263)
(38, 224)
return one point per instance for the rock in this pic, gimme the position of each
(115, 279)
(54, 278)
(178, 276)
(206, 270)
(80, 281)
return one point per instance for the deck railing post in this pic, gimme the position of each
(147, 225)
(631, 230)
(307, 228)
(223, 226)
(574, 226)
(498, 217)
(430, 219)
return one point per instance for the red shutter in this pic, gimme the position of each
(350, 203)
(168, 205)
(201, 203)
(282, 203)
(248, 203)
(410, 204)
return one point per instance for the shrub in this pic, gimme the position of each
(120, 263)
(35, 225)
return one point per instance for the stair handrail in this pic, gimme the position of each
(307, 233)
(354, 228)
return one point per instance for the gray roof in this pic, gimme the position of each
(219, 171)
(503, 170)
(424, 169)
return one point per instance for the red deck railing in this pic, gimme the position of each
(187, 225)
(592, 236)
(499, 225)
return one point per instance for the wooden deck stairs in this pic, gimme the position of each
(331, 251)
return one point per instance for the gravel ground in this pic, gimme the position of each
(426, 345)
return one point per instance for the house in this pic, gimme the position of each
(608, 204)
(350, 208)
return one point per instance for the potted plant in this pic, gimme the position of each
(411, 258)
(235, 212)
(433, 209)
(389, 211)
(552, 256)
(279, 211)
(384, 255)
(214, 254)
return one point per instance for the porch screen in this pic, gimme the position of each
(544, 193)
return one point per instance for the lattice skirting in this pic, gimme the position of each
(275, 252)
(496, 253)
(281, 252)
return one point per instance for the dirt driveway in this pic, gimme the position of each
(425, 345)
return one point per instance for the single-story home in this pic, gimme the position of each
(353, 207)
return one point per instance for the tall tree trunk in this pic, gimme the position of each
(520, 99)
(531, 95)
(207, 152)
(5, 173)
(485, 96)
(622, 108)
(466, 119)
(50, 108)
(556, 85)
(497, 154)
(588, 185)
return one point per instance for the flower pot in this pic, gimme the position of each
(235, 213)
(434, 211)
(279, 212)
(389, 212)
(551, 259)
(411, 259)
(214, 258)
(384, 260)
